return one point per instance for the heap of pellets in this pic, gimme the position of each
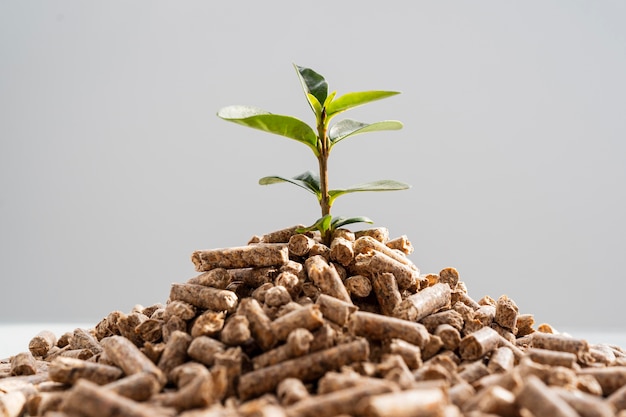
(287, 326)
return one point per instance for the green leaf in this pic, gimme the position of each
(315, 105)
(350, 100)
(342, 221)
(307, 180)
(322, 224)
(349, 127)
(380, 185)
(312, 83)
(256, 118)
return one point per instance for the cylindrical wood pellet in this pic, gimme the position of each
(541, 401)
(252, 256)
(425, 302)
(326, 278)
(309, 317)
(206, 298)
(129, 358)
(478, 344)
(378, 327)
(335, 309)
(305, 368)
(414, 402)
(387, 293)
(70, 370)
(23, 364)
(42, 343)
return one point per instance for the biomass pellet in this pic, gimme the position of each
(552, 357)
(478, 344)
(425, 302)
(326, 278)
(506, 313)
(208, 323)
(387, 293)
(586, 405)
(236, 330)
(358, 286)
(70, 370)
(216, 278)
(541, 400)
(306, 368)
(401, 243)
(408, 403)
(610, 378)
(129, 358)
(42, 343)
(290, 391)
(206, 298)
(260, 324)
(449, 276)
(309, 317)
(23, 364)
(251, 256)
(450, 337)
(378, 327)
(300, 245)
(342, 251)
(450, 317)
(203, 349)
(502, 359)
(335, 309)
(277, 296)
(559, 342)
(175, 352)
(366, 244)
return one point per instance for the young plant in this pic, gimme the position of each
(321, 139)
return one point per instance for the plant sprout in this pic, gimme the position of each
(321, 139)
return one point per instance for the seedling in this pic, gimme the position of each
(321, 139)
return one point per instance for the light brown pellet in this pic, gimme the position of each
(305, 368)
(70, 370)
(501, 360)
(175, 352)
(335, 309)
(378, 327)
(326, 278)
(300, 245)
(23, 364)
(423, 402)
(208, 323)
(342, 251)
(478, 344)
(309, 317)
(251, 256)
(206, 298)
(358, 286)
(260, 324)
(427, 301)
(377, 262)
(204, 348)
(290, 391)
(236, 331)
(42, 343)
(401, 243)
(216, 278)
(387, 293)
(129, 358)
(541, 400)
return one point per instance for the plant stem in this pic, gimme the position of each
(323, 163)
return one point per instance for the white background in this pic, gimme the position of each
(114, 167)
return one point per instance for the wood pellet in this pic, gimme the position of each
(287, 326)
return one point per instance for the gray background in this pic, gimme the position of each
(114, 167)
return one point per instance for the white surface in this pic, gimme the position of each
(14, 338)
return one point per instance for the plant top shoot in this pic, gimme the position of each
(321, 141)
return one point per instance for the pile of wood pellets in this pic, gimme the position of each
(286, 326)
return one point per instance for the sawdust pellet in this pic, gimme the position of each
(305, 368)
(366, 244)
(204, 348)
(501, 360)
(236, 331)
(129, 358)
(408, 403)
(335, 309)
(70, 370)
(506, 313)
(23, 364)
(378, 327)
(309, 318)
(479, 343)
(42, 343)
(387, 293)
(326, 278)
(251, 256)
(401, 243)
(208, 323)
(290, 391)
(449, 276)
(297, 344)
(206, 298)
(341, 251)
(542, 401)
(300, 245)
(216, 278)
(381, 234)
(260, 324)
(377, 262)
(419, 305)
(559, 342)
(358, 286)
(450, 336)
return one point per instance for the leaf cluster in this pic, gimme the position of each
(320, 139)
